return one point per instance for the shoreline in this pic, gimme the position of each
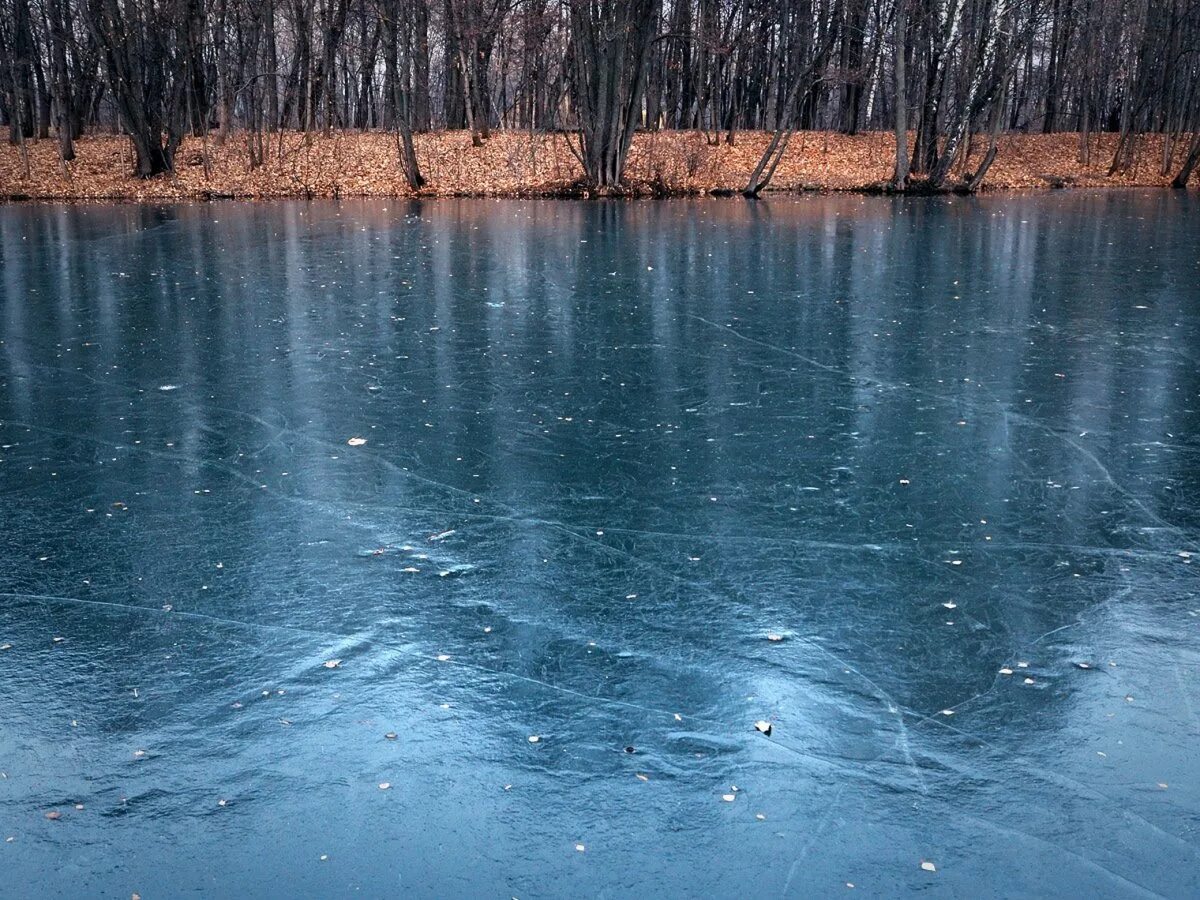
(511, 164)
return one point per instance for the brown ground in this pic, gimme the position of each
(517, 163)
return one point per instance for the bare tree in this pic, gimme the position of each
(610, 52)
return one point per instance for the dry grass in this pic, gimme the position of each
(517, 163)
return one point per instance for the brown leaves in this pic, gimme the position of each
(517, 163)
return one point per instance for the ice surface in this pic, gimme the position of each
(633, 476)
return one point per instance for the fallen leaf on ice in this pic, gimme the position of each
(928, 866)
(356, 441)
(533, 739)
(729, 798)
(642, 777)
(947, 712)
(54, 815)
(391, 735)
(774, 638)
(332, 663)
(763, 726)
(385, 785)
(580, 847)
(1006, 671)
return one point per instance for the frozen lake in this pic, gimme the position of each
(316, 515)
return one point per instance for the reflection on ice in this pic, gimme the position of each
(879, 518)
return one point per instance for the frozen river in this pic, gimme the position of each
(455, 549)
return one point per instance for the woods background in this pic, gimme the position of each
(917, 94)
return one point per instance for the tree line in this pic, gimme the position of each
(947, 76)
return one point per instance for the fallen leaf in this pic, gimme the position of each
(356, 441)
(774, 638)
(642, 777)
(947, 712)
(763, 726)
(332, 663)
(580, 847)
(928, 866)
(729, 798)
(533, 739)
(54, 815)
(1006, 671)
(391, 735)
(385, 785)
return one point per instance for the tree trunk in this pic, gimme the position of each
(900, 175)
(610, 54)
(1193, 157)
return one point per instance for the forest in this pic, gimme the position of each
(946, 77)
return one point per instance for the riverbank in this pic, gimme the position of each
(354, 164)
